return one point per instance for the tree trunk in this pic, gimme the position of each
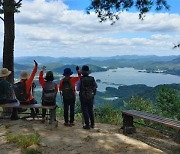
(9, 36)
(8, 49)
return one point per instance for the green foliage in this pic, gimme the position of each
(110, 9)
(23, 141)
(168, 102)
(10, 6)
(60, 111)
(107, 113)
(139, 104)
(32, 151)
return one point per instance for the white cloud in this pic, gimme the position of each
(51, 28)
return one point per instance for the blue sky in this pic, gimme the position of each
(82, 4)
(61, 28)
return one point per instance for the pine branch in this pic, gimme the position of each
(18, 3)
(2, 18)
(176, 46)
(1, 3)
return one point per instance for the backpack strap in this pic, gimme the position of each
(94, 86)
(24, 88)
(69, 80)
(3, 90)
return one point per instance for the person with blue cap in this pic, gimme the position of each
(67, 89)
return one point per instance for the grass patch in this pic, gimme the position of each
(32, 151)
(23, 141)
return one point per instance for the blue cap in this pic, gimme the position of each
(67, 72)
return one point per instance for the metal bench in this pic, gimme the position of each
(38, 106)
(129, 115)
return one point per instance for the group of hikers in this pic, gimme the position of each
(22, 92)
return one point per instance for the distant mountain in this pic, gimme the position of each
(91, 60)
(22, 67)
(48, 60)
(58, 68)
(175, 61)
(93, 68)
(137, 58)
(39, 59)
(152, 63)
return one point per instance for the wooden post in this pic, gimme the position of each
(177, 138)
(128, 127)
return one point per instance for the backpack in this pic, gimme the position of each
(20, 91)
(3, 94)
(49, 92)
(87, 88)
(67, 89)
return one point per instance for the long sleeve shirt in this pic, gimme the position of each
(73, 81)
(29, 82)
(42, 80)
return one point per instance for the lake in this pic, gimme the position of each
(129, 76)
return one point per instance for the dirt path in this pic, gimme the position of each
(104, 139)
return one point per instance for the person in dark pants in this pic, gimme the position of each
(87, 90)
(6, 92)
(50, 90)
(67, 88)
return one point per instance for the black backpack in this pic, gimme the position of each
(3, 94)
(20, 91)
(87, 88)
(67, 89)
(49, 92)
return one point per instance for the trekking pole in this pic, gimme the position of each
(61, 98)
(33, 87)
(62, 101)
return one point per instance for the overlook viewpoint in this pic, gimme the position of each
(103, 139)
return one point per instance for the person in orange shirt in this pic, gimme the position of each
(67, 88)
(28, 84)
(50, 89)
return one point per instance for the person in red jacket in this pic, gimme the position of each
(50, 90)
(28, 84)
(67, 88)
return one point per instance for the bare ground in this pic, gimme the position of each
(104, 139)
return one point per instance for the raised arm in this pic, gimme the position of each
(31, 78)
(41, 79)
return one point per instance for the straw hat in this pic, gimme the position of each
(24, 75)
(4, 72)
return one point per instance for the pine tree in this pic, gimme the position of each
(8, 8)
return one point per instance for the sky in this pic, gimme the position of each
(61, 28)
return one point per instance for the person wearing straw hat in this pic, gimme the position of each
(28, 84)
(6, 91)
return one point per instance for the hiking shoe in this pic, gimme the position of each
(15, 117)
(86, 127)
(92, 126)
(43, 120)
(66, 124)
(71, 124)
